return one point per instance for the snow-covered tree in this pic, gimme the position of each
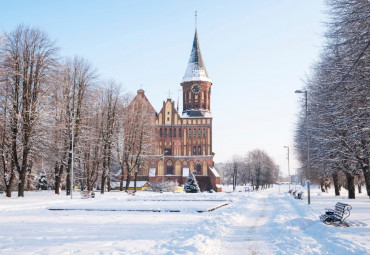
(338, 90)
(191, 185)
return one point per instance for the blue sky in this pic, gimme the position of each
(256, 53)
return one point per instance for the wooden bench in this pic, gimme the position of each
(338, 215)
(130, 192)
(299, 195)
(87, 194)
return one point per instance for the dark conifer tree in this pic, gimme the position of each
(191, 185)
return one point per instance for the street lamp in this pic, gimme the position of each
(164, 153)
(163, 168)
(288, 166)
(72, 149)
(308, 146)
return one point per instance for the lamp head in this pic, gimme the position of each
(299, 91)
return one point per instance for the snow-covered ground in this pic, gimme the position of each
(264, 222)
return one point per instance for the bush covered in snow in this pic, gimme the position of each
(163, 186)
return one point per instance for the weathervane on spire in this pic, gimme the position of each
(196, 19)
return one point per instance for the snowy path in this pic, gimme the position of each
(273, 223)
(246, 235)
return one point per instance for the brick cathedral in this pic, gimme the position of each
(184, 141)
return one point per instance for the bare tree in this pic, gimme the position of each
(28, 58)
(78, 77)
(262, 167)
(138, 142)
(108, 123)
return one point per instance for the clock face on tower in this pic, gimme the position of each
(195, 88)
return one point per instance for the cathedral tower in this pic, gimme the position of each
(196, 85)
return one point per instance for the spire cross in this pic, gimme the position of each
(196, 19)
(169, 93)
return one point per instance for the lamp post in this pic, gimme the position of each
(288, 166)
(72, 150)
(163, 168)
(308, 146)
(164, 153)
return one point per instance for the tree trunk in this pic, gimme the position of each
(351, 185)
(135, 177)
(108, 183)
(29, 181)
(366, 171)
(68, 177)
(359, 187)
(336, 184)
(23, 171)
(103, 178)
(58, 177)
(322, 185)
(22, 179)
(89, 186)
(9, 184)
(121, 181)
(108, 167)
(128, 180)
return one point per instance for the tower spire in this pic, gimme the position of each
(196, 70)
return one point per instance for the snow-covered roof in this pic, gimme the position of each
(196, 70)
(214, 171)
(196, 113)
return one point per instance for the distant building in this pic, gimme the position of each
(185, 140)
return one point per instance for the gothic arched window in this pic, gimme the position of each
(165, 132)
(179, 132)
(169, 169)
(160, 132)
(204, 132)
(195, 150)
(199, 150)
(170, 132)
(198, 168)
